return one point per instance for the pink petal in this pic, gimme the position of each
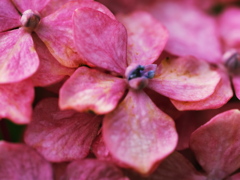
(20, 162)
(18, 58)
(174, 167)
(89, 89)
(229, 27)
(61, 135)
(191, 32)
(49, 71)
(93, 170)
(221, 96)
(16, 101)
(8, 14)
(100, 40)
(216, 144)
(185, 79)
(146, 37)
(23, 5)
(234, 177)
(236, 85)
(139, 136)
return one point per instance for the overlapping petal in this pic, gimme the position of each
(236, 85)
(23, 5)
(96, 32)
(20, 162)
(185, 79)
(92, 90)
(8, 14)
(61, 135)
(139, 134)
(18, 58)
(16, 101)
(216, 144)
(146, 37)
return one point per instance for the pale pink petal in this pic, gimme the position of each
(16, 101)
(20, 162)
(139, 134)
(174, 167)
(100, 40)
(221, 96)
(8, 14)
(229, 27)
(216, 144)
(89, 89)
(146, 37)
(236, 85)
(61, 135)
(49, 71)
(18, 58)
(191, 32)
(185, 79)
(91, 169)
(23, 5)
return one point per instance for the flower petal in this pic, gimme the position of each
(236, 85)
(185, 79)
(18, 58)
(49, 71)
(16, 101)
(100, 40)
(221, 96)
(23, 5)
(20, 162)
(94, 170)
(89, 89)
(61, 135)
(146, 37)
(191, 32)
(216, 144)
(8, 14)
(139, 134)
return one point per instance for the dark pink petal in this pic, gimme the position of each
(229, 27)
(16, 101)
(185, 79)
(23, 5)
(89, 89)
(216, 144)
(49, 71)
(91, 169)
(235, 177)
(191, 32)
(236, 85)
(146, 37)
(139, 134)
(221, 96)
(18, 58)
(100, 40)
(61, 135)
(20, 162)
(8, 14)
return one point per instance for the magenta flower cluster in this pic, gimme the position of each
(120, 90)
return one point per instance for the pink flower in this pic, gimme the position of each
(124, 63)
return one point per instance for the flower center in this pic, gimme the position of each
(138, 75)
(30, 19)
(232, 62)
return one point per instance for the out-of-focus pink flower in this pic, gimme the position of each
(61, 135)
(20, 162)
(125, 64)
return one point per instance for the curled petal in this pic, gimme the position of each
(216, 144)
(146, 37)
(61, 135)
(185, 79)
(139, 134)
(100, 40)
(89, 89)
(18, 57)
(20, 162)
